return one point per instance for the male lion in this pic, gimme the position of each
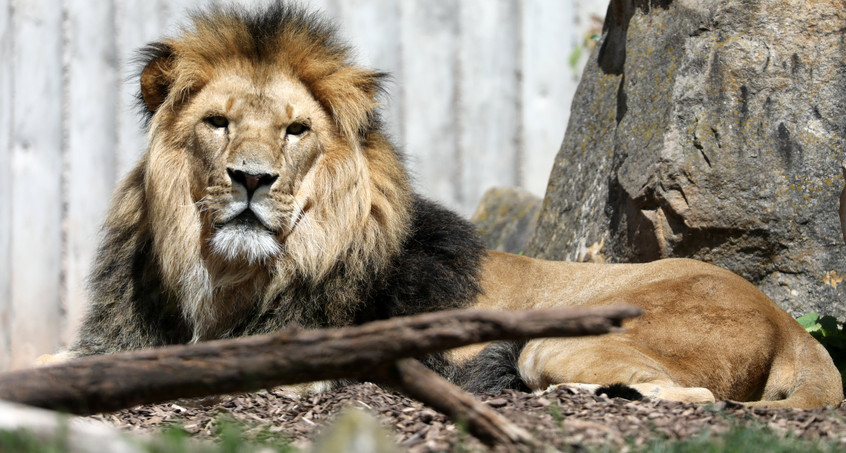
(269, 196)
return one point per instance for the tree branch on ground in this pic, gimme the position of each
(293, 356)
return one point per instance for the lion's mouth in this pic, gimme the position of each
(246, 220)
(245, 236)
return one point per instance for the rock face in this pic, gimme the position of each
(506, 218)
(711, 129)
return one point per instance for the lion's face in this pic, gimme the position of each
(256, 141)
(266, 168)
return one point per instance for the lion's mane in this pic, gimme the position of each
(373, 250)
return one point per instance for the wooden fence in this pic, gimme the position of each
(481, 97)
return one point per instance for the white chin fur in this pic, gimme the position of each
(239, 241)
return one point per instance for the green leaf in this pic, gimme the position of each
(573, 60)
(809, 321)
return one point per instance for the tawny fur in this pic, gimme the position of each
(269, 196)
(348, 179)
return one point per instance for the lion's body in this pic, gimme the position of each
(703, 327)
(269, 197)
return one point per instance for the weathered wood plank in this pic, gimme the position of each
(6, 95)
(369, 26)
(36, 201)
(136, 25)
(91, 135)
(174, 13)
(548, 85)
(489, 98)
(430, 95)
(327, 7)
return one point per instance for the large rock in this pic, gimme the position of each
(711, 129)
(506, 218)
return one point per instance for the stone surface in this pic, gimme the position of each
(711, 129)
(506, 218)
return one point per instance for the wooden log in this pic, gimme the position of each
(107, 383)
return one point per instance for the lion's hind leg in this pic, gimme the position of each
(805, 379)
(595, 363)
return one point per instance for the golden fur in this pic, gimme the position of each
(344, 190)
(706, 333)
(269, 196)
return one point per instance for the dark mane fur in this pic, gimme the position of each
(438, 269)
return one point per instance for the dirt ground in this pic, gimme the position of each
(560, 418)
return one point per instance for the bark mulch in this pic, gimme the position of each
(561, 417)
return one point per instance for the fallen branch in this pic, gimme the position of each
(107, 383)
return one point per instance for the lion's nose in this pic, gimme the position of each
(251, 181)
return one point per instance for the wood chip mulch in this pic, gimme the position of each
(561, 418)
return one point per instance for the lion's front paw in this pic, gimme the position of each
(309, 388)
(53, 359)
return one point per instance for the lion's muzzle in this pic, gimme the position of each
(245, 230)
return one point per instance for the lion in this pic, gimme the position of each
(269, 196)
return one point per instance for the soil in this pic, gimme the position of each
(560, 418)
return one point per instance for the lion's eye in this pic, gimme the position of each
(218, 121)
(296, 129)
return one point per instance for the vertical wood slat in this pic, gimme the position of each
(36, 220)
(175, 13)
(368, 25)
(91, 135)
(6, 93)
(329, 8)
(489, 104)
(429, 62)
(548, 85)
(136, 24)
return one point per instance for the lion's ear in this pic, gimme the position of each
(351, 95)
(157, 75)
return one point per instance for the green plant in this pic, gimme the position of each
(23, 441)
(739, 438)
(555, 412)
(745, 439)
(586, 45)
(831, 334)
